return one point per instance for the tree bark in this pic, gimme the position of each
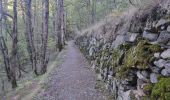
(3, 46)
(44, 60)
(29, 36)
(60, 24)
(13, 57)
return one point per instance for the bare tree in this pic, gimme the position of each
(29, 36)
(44, 59)
(3, 46)
(13, 57)
(60, 24)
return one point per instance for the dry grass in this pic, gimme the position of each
(122, 22)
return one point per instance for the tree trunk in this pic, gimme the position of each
(13, 57)
(60, 24)
(93, 12)
(29, 36)
(44, 60)
(3, 46)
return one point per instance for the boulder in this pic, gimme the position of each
(150, 36)
(166, 54)
(153, 78)
(164, 37)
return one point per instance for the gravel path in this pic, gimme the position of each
(73, 80)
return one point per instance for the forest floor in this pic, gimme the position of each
(68, 78)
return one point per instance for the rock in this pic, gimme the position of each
(150, 36)
(120, 39)
(142, 75)
(155, 70)
(168, 44)
(111, 73)
(166, 72)
(157, 55)
(166, 54)
(140, 82)
(160, 63)
(167, 65)
(133, 37)
(164, 37)
(124, 95)
(153, 78)
(99, 77)
(168, 28)
(161, 22)
(91, 51)
(109, 77)
(114, 87)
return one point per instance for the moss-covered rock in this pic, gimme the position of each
(116, 57)
(161, 90)
(140, 55)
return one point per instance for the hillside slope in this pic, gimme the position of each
(131, 53)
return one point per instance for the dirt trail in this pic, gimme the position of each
(73, 80)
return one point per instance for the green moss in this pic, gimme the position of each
(161, 90)
(115, 57)
(125, 46)
(167, 96)
(140, 55)
(132, 96)
(154, 48)
(148, 89)
(145, 98)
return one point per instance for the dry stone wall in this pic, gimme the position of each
(133, 66)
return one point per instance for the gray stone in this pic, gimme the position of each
(155, 70)
(161, 22)
(133, 36)
(167, 65)
(142, 75)
(164, 37)
(99, 77)
(91, 51)
(168, 28)
(111, 73)
(157, 55)
(140, 82)
(153, 78)
(150, 36)
(110, 77)
(124, 95)
(120, 39)
(165, 72)
(160, 63)
(168, 44)
(166, 54)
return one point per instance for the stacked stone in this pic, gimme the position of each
(132, 65)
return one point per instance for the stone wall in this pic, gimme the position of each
(133, 64)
